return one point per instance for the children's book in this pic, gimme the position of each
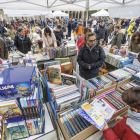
(68, 79)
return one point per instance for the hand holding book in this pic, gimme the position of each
(105, 127)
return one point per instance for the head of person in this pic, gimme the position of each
(101, 41)
(117, 28)
(40, 43)
(21, 31)
(102, 23)
(132, 98)
(87, 30)
(135, 37)
(6, 35)
(90, 38)
(58, 28)
(47, 31)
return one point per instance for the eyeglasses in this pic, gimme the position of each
(92, 41)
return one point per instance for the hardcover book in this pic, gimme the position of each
(66, 68)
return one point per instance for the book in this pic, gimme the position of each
(68, 79)
(10, 109)
(18, 130)
(66, 68)
(55, 74)
(63, 60)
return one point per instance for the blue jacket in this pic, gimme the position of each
(44, 21)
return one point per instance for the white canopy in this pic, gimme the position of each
(59, 13)
(63, 5)
(25, 13)
(102, 13)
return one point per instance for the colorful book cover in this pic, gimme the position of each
(68, 79)
(66, 68)
(55, 74)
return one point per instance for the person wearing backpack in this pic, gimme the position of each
(132, 28)
(119, 37)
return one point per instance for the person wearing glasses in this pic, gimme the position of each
(90, 57)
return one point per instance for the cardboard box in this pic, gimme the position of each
(91, 129)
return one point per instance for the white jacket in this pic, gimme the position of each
(49, 40)
(94, 22)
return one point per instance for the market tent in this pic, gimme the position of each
(25, 13)
(59, 13)
(102, 13)
(63, 5)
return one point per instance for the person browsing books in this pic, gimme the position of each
(127, 128)
(91, 57)
(49, 39)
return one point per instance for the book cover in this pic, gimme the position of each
(66, 68)
(63, 60)
(55, 74)
(68, 79)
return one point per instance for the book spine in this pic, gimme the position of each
(76, 120)
(68, 126)
(74, 123)
(71, 124)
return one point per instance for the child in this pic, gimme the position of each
(39, 47)
(8, 42)
(102, 44)
(33, 28)
(129, 127)
(75, 36)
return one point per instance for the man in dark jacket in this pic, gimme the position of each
(90, 57)
(138, 22)
(2, 30)
(74, 24)
(58, 34)
(101, 31)
(22, 41)
(118, 37)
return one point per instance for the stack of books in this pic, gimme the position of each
(133, 67)
(102, 108)
(136, 76)
(65, 96)
(124, 87)
(119, 75)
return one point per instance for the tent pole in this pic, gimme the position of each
(87, 8)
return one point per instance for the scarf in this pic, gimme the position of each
(21, 37)
(133, 121)
(91, 47)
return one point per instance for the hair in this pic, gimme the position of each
(117, 27)
(20, 29)
(102, 41)
(47, 30)
(88, 35)
(56, 23)
(134, 35)
(132, 97)
(101, 21)
(6, 34)
(40, 43)
(87, 30)
(59, 26)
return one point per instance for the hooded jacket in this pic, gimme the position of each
(23, 46)
(130, 29)
(101, 32)
(117, 39)
(79, 29)
(109, 28)
(121, 131)
(94, 58)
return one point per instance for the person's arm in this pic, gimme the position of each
(101, 59)
(95, 30)
(54, 40)
(129, 29)
(81, 61)
(5, 51)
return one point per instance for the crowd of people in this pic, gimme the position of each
(39, 35)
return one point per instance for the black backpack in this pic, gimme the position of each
(124, 39)
(134, 29)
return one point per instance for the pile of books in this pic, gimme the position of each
(127, 86)
(117, 60)
(102, 108)
(136, 76)
(133, 67)
(91, 86)
(65, 96)
(110, 50)
(118, 75)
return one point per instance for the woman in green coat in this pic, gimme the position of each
(135, 43)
